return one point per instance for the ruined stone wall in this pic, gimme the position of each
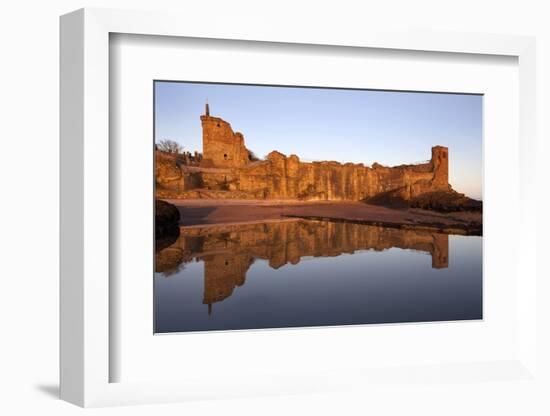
(286, 177)
(168, 176)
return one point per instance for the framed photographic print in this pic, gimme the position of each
(246, 241)
(285, 213)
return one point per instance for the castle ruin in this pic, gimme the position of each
(228, 170)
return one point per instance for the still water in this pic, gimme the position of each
(309, 273)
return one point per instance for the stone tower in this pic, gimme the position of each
(221, 147)
(440, 162)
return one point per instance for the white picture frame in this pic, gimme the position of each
(85, 211)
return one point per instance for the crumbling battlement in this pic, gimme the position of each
(227, 166)
(221, 146)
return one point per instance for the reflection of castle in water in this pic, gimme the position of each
(228, 251)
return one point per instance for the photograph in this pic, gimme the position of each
(298, 206)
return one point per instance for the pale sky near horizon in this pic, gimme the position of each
(360, 126)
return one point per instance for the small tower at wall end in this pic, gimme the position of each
(440, 161)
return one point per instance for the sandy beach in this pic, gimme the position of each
(211, 211)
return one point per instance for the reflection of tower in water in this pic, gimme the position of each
(222, 273)
(440, 251)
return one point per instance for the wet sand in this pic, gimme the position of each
(210, 211)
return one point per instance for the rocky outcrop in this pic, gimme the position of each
(167, 228)
(442, 201)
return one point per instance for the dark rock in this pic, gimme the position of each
(167, 228)
(442, 201)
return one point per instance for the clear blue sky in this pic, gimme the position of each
(359, 126)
